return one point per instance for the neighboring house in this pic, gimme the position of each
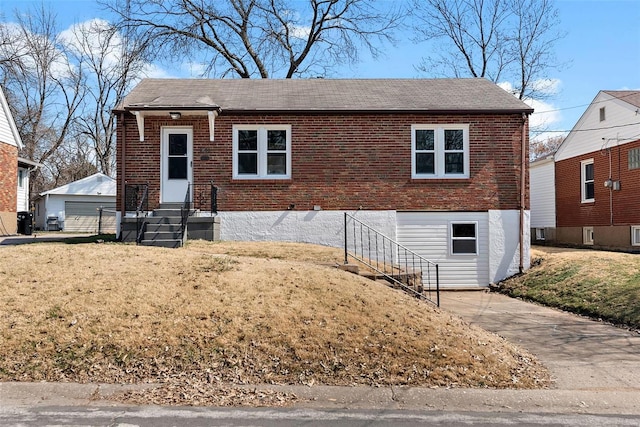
(76, 207)
(10, 143)
(543, 200)
(439, 165)
(597, 175)
(25, 167)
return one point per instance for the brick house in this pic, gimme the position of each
(10, 143)
(439, 165)
(597, 175)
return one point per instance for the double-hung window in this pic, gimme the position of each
(587, 181)
(440, 151)
(464, 238)
(262, 151)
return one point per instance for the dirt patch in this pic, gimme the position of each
(216, 314)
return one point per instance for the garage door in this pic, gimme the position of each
(430, 234)
(83, 217)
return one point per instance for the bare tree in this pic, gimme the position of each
(501, 40)
(111, 63)
(539, 148)
(265, 38)
(45, 88)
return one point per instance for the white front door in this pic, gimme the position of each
(177, 163)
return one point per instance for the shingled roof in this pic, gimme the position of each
(270, 95)
(629, 96)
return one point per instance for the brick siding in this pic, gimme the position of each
(8, 177)
(341, 161)
(571, 212)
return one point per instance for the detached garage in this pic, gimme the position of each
(83, 206)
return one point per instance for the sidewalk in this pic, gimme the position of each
(21, 239)
(596, 369)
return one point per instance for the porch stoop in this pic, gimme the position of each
(163, 227)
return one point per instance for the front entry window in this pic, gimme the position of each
(178, 158)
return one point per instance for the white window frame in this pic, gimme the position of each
(584, 181)
(587, 235)
(262, 151)
(452, 238)
(634, 158)
(635, 235)
(21, 177)
(439, 151)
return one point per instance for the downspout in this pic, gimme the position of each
(123, 181)
(523, 152)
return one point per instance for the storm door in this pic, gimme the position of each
(177, 164)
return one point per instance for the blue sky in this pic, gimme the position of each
(601, 51)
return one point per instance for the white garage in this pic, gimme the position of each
(86, 206)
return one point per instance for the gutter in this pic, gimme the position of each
(123, 181)
(523, 199)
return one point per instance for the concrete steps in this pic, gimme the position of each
(163, 227)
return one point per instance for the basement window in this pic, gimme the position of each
(587, 235)
(464, 238)
(635, 235)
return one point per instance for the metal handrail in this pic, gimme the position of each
(135, 199)
(214, 199)
(184, 213)
(395, 262)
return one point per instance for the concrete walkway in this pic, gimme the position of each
(596, 369)
(581, 353)
(21, 239)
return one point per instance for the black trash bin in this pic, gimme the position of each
(25, 222)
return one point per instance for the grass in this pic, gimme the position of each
(213, 314)
(602, 285)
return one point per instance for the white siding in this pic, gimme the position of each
(427, 233)
(543, 195)
(6, 135)
(23, 191)
(8, 132)
(618, 113)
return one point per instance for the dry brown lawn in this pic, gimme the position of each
(211, 315)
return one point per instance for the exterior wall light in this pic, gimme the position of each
(175, 115)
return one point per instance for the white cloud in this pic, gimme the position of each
(22, 46)
(194, 69)
(545, 114)
(154, 71)
(299, 32)
(95, 38)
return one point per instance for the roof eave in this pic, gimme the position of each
(527, 111)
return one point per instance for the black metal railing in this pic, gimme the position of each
(397, 264)
(205, 197)
(185, 209)
(136, 198)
